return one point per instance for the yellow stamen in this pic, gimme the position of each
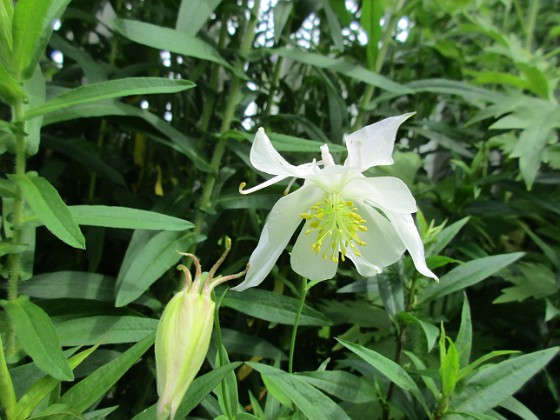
(337, 224)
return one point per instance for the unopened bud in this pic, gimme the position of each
(183, 335)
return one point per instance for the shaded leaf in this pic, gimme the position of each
(38, 337)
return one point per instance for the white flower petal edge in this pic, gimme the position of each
(373, 145)
(283, 220)
(407, 231)
(385, 192)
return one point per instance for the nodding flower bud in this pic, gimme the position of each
(183, 334)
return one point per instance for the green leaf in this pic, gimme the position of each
(449, 364)
(193, 14)
(6, 40)
(341, 66)
(104, 329)
(44, 386)
(312, 402)
(389, 369)
(491, 386)
(108, 90)
(516, 407)
(127, 218)
(90, 389)
(179, 141)
(50, 209)
(143, 266)
(467, 370)
(340, 384)
(198, 390)
(169, 40)
(468, 274)
(70, 284)
(464, 336)
(38, 337)
(431, 332)
(273, 307)
(80, 151)
(32, 28)
(10, 90)
(446, 236)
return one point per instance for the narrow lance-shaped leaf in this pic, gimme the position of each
(468, 274)
(44, 386)
(50, 209)
(387, 368)
(492, 385)
(312, 402)
(169, 39)
(127, 218)
(109, 90)
(86, 392)
(38, 337)
(32, 28)
(148, 263)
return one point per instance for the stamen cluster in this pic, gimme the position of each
(337, 224)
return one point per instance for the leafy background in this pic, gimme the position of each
(150, 108)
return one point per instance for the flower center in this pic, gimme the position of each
(337, 224)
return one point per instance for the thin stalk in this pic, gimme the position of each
(14, 262)
(208, 107)
(302, 296)
(531, 22)
(400, 336)
(273, 87)
(232, 101)
(368, 93)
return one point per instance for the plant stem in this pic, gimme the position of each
(302, 296)
(14, 262)
(368, 93)
(232, 101)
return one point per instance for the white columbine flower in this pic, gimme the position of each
(346, 214)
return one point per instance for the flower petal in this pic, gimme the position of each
(283, 220)
(364, 267)
(373, 145)
(384, 192)
(308, 264)
(265, 158)
(383, 244)
(407, 231)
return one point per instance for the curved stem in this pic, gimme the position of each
(17, 234)
(232, 101)
(302, 296)
(368, 93)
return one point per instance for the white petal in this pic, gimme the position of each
(364, 267)
(407, 231)
(383, 245)
(308, 264)
(385, 192)
(282, 221)
(265, 158)
(373, 145)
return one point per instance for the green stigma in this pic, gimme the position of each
(337, 224)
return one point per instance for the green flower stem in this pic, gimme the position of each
(232, 101)
(368, 93)
(8, 394)
(302, 296)
(273, 87)
(14, 262)
(400, 338)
